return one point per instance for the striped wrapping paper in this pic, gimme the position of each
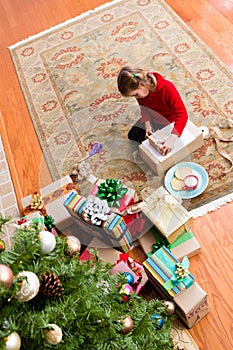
(162, 266)
(114, 231)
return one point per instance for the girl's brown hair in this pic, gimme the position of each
(130, 77)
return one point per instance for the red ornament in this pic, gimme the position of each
(125, 298)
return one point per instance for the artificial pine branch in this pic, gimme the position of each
(89, 316)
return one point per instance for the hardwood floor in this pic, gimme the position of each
(212, 21)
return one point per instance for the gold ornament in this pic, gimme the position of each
(6, 275)
(170, 306)
(54, 335)
(12, 342)
(127, 325)
(29, 286)
(74, 245)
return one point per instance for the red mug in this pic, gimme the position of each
(190, 182)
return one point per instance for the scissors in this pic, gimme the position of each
(95, 148)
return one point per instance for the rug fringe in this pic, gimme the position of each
(212, 206)
(69, 21)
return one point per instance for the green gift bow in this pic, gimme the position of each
(49, 222)
(112, 191)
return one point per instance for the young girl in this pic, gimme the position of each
(160, 105)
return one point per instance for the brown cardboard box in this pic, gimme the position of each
(190, 140)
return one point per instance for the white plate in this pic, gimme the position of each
(198, 170)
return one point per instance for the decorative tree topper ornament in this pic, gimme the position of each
(48, 242)
(30, 285)
(112, 191)
(12, 341)
(53, 336)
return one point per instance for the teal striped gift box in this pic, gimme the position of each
(161, 268)
(113, 231)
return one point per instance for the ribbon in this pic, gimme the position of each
(159, 202)
(218, 137)
(81, 170)
(111, 191)
(183, 237)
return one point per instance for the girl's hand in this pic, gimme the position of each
(167, 145)
(149, 129)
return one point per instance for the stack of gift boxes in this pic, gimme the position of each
(101, 217)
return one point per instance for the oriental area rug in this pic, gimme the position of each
(68, 75)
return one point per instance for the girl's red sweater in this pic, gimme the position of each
(164, 106)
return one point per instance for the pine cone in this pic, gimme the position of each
(50, 285)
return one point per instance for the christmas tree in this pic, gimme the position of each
(50, 299)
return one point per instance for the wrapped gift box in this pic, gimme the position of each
(190, 298)
(53, 197)
(127, 264)
(124, 201)
(166, 213)
(192, 305)
(190, 140)
(186, 243)
(113, 231)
